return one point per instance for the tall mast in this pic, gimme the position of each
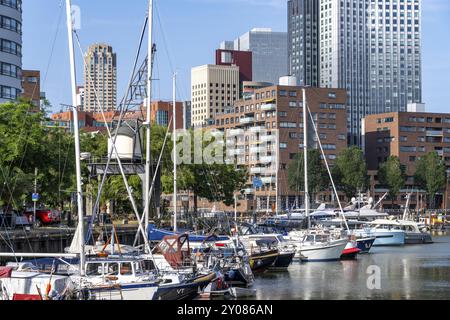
(148, 123)
(305, 157)
(77, 136)
(174, 124)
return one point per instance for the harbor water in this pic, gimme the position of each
(408, 272)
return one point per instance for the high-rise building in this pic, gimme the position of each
(100, 79)
(10, 50)
(395, 55)
(303, 41)
(264, 134)
(370, 48)
(269, 50)
(80, 97)
(213, 89)
(31, 85)
(242, 59)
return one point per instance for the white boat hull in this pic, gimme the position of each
(321, 251)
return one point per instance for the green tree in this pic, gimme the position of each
(350, 171)
(392, 175)
(318, 179)
(431, 175)
(216, 182)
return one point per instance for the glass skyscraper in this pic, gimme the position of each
(269, 49)
(371, 48)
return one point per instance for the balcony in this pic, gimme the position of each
(236, 152)
(247, 120)
(257, 129)
(268, 107)
(267, 159)
(268, 180)
(435, 133)
(267, 138)
(257, 170)
(249, 191)
(258, 150)
(235, 132)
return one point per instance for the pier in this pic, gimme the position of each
(55, 239)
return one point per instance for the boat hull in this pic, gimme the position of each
(183, 291)
(237, 277)
(260, 262)
(283, 261)
(418, 238)
(389, 238)
(127, 292)
(322, 252)
(350, 253)
(365, 244)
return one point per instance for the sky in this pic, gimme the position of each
(187, 33)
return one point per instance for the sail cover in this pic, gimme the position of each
(5, 272)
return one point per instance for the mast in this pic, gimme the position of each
(77, 137)
(174, 122)
(305, 157)
(148, 124)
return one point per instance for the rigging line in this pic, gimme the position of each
(122, 108)
(52, 46)
(114, 149)
(181, 94)
(328, 167)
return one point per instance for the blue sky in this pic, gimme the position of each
(187, 32)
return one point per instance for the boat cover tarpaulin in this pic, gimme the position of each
(5, 272)
(26, 297)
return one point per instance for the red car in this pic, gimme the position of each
(44, 217)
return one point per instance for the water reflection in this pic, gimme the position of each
(410, 272)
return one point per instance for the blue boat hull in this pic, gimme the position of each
(365, 244)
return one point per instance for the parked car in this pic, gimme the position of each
(44, 217)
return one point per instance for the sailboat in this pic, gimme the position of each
(315, 244)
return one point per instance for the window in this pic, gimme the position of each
(126, 269)
(94, 269)
(283, 145)
(112, 269)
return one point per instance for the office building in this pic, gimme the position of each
(303, 41)
(370, 48)
(213, 89)
(10, 50)
(242, 59)
(269, 53)
(161, 113)
(100, 79)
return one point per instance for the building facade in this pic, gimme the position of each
(100, 79)
(213, 89)
(269, 50)
(264, 133)
(162, 112)
(370, 48)
(242, 59)
(408, 136)
(303, 41)
(31, 86)
(10, 49)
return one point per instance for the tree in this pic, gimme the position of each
(318, 179)
(392, 175)
(431, 175)
(350, 171)
(216, 182)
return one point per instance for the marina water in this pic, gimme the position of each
(407, 272)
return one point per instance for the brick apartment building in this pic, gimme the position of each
(265, 131)
(409, 136)
(31, 86)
